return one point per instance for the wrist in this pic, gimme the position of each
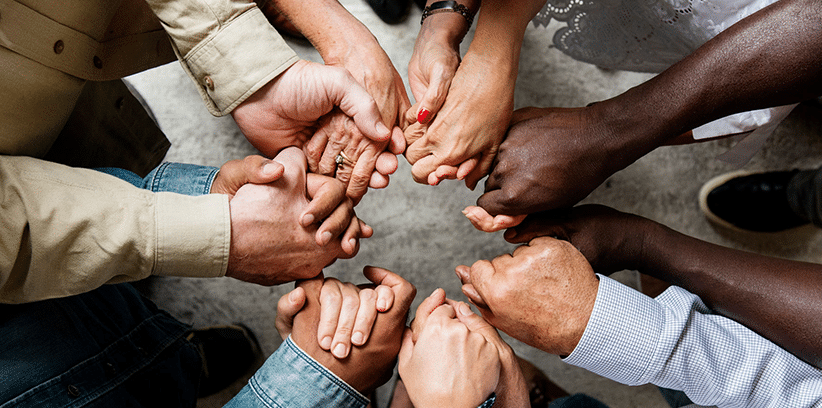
(448, 28)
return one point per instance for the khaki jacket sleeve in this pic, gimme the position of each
(69, 230)
(227, 47)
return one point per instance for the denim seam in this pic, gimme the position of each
(210, 181)
(158, 176)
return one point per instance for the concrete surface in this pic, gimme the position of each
(420, 232)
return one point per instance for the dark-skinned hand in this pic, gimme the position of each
(610, 240)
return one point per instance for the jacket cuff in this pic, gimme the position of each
(243, 56)
(193, 235)
(292, 378)
(621, 352)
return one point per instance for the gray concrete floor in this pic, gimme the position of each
(420, 231)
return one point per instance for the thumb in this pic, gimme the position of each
(406, 349)
(260, 170)
(473, 321)
(434, 96)
(287, 307)
(356, 102)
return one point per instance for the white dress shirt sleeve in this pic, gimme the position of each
(674, 341)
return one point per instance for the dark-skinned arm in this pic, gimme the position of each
(779, 299)
(552, 157)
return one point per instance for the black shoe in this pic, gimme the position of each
(752, 202)
(390, 11)
(228, 352)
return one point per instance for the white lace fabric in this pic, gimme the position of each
(640, 35)
(652, 35)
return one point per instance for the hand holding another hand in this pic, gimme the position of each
(274, 233)
(369, 365)
(610, 240)
(551, 158)
(543, 294)
(452, 357)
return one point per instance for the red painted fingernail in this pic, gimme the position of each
(423, 115)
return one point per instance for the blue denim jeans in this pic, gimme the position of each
(106, 348)
(110, 347)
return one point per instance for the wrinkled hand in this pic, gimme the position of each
(372, 163)
(543, 294)
(446, 360)
(368, 63)
(462, 140)
(284, 112)
(610, 240)
(370, 365)
(274, 236)
(551, 158)
(347, 313)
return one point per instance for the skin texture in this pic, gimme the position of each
(343, 41)
(559, 156)
(287, 111)
(442, 334)
(461, 135)
(542, 294)
(342, 322)
(370, 365)
(273, 240)
(777, 298)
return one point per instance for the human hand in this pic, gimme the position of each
(543, 294)
(610, 240)
(551, 158)
(434, 63)
(488, 223)
(345, 42)
(462, 140)
(372, 163)
(437, 360)
(448, 365)
(274, 236)
(370, 365)
(284, 112)
(347, 313)
(252, 169)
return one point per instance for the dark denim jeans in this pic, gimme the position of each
(106, 348)
(110, 347)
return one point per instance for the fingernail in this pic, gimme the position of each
(357, 338)
(435, 291)
(423, 115)
(464, 309)
(381, 305)
(326, 343)
(353, 242)
(382, 130)
(325, 237)
(292, 296)
(339, 351)
(269, 168)
(308, 219)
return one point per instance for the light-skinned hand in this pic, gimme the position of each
(274, 233)
(285, 111)
(542, 294)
